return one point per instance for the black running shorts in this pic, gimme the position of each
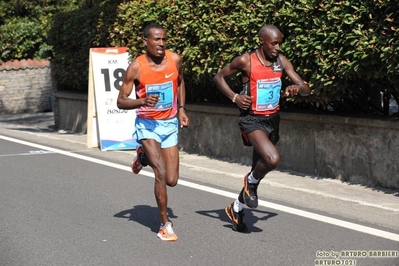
(269, 124)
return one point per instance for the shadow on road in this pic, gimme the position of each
(145, 215)
(41, 122)
(251, 217)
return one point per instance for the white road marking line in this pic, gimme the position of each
(306, 214)
(309, 191)
(38, 152)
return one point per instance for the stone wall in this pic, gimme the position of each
(350, 149)
(358, 150)
(25, 86)
(70, 111)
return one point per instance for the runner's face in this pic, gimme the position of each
(156, 42)
(270, 43)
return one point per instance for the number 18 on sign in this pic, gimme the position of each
(114, 126)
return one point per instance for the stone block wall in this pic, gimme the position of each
(358, 150)
(70, 111)
(25, 86)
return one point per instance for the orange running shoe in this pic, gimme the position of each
(237, 218)
(166, 232)
(137, 164)
(250, 193)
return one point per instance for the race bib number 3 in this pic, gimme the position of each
(164, 92)
(268, 95)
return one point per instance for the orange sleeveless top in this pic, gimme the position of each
(163, 83)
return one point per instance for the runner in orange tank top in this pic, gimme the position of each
(160, 105)
(163, 83)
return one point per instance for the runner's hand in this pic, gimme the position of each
(292, 90)
(151, 100)
(243, 101)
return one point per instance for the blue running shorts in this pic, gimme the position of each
(165, 131)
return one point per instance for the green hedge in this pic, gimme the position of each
(348, 51)
(21, 38)
(207, 35)
(24, 26)
(72, 34)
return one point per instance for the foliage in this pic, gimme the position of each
(207, 34)
(21, 38)
(347, 51)
(24, 25)
(71, 54)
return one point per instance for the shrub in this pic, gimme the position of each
(21, 38)
(348, 51)
(24, 26)
(72, 34)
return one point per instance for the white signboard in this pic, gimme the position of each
(108, 126)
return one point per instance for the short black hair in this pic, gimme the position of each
(151, 25)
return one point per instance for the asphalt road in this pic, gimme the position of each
(64, 204)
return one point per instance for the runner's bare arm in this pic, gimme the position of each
(181, 97)
(299, 85)
(124, 102)
(239, 64)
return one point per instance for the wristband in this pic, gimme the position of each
(234, 98)
(182, 106)
(302, 86)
